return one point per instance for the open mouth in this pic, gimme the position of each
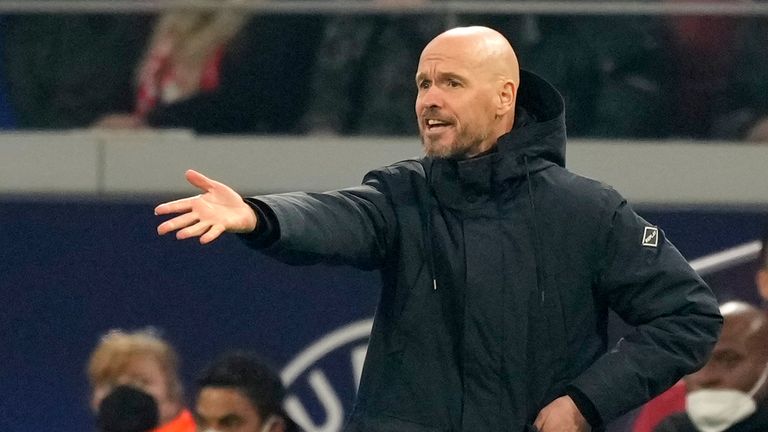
(436, 125)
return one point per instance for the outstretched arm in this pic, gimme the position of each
(217, 210)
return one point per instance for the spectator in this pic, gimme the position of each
(673, 400)
(611, 72)
(238, 392)
(64, 71)
(363, 80)
(223, 72)
(143, 360)
(718, 78)
(729, 392)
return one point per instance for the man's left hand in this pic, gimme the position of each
(561, 415)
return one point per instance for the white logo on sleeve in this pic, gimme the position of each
(651, 236)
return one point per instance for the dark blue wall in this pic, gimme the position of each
(69, 271)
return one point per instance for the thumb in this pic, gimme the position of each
(198, 180)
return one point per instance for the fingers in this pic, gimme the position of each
(189, 223)
(179, 206)
(178, 222)
(198, 180)
(212, 234)
(195, 230)
(205, 231)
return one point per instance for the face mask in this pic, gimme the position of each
(715, 410)
(265, 428)
(269, 423)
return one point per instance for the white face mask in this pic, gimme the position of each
(265, 428)
(715, 410)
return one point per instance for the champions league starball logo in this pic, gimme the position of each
(323, 378)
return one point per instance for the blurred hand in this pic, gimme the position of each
(561, 415)
(119, 121)
(219, 209)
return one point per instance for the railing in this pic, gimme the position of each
(732, 257)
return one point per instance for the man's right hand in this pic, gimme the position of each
(219, 209)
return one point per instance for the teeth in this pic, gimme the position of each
(433, 122)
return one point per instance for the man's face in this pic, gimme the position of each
(762, 283)
(455, 105)
(143, 372)
(737, 360)
(225, 409)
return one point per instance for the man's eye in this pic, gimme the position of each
(231, 422)
(453, 83)
(424, 85)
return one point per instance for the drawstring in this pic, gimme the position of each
(428, 228)
(428, 245)
(536, 240)
(430, 250)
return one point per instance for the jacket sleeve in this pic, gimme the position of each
(675, 317)
(354, 226)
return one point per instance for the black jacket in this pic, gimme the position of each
(498, 273)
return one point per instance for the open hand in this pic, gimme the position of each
(219, 209)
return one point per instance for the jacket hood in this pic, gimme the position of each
(539, 130)
(536, 141)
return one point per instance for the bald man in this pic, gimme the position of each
(729, 393)
(498, 265)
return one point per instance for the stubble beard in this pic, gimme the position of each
(461, 147)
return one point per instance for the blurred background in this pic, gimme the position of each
(105, 103)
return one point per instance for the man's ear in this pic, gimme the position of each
(761, 280)
(507, 93)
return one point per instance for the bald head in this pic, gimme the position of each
(742, 320)
(480, 47)
(741, 353)
(467, 79)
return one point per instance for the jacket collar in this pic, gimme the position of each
(538, 137)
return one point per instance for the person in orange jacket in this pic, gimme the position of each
(141, 359)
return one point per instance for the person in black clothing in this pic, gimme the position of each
(729, 393)
(498, 265)
(240, 393)
(223, 72)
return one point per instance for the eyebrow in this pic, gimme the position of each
(422, 76)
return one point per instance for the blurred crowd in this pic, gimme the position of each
(628, 76)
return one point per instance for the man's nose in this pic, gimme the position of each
(707, 377)
(431, 97)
